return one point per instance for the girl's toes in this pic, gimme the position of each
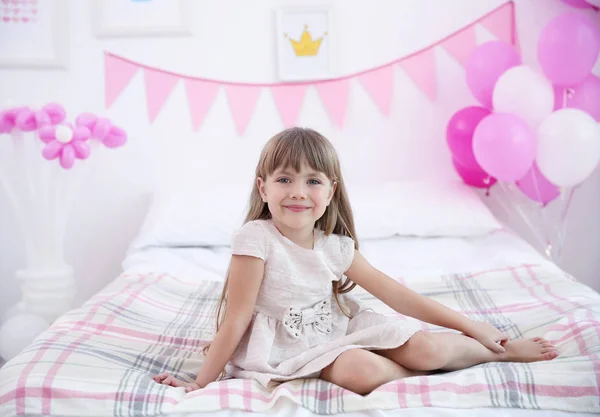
(537, 339)
(546, 344)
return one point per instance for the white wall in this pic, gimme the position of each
(234, 41)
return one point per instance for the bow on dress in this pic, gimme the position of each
(319, 316)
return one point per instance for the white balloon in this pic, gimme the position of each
(568, 147)
(63, 133)
(524, 93)
(18, 332)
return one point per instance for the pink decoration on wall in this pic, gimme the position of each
(379, 83)
(201, 95)
(117, 75)
(159, 85)
(496, 23)
(242, 97)
(288, 99)
(242, 100)
(334, 95)
(18, 12)
(461, 44)
(420, 67)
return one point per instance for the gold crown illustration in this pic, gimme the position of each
(306, 46)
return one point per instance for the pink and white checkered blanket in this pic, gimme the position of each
(98, 360)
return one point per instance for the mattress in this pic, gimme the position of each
(98, 360)
(412, 256)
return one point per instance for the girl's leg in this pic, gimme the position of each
(427, 351)
(362, 371)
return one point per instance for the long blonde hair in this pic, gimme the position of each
(291, 148)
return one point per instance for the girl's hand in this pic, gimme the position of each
(167, 379)
(488, 336)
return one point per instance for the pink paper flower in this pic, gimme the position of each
(103, 130)
(65, 142)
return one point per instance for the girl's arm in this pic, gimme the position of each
(245, 277)
(410, 303)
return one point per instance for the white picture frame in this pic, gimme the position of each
(141, 18)
(291, 24)
(40, 43)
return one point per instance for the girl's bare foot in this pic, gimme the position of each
(528, 350)
(451, 351)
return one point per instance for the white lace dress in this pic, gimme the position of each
(297, 328)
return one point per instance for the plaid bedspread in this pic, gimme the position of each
(98, 360)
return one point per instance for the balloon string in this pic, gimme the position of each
(19, 210)
(541, 206)
(544, 243)
(561, 232)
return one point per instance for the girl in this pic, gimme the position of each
(286, 312)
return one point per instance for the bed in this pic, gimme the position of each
(99, 359)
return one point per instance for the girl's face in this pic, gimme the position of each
(296, 199)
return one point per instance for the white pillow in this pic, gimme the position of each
(193, 217)
(196, 217)
(419, 208)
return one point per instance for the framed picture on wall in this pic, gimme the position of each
(303, 39)
(139, 18)
(34, 34)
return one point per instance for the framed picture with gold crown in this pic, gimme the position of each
(303, 43)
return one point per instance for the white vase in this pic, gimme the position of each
(41, 194)
(47, 292)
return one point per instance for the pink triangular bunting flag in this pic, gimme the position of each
(288, 99)
(201, 95)
(117, 74)
(334, 95)
(501, 23)
(420, 67)
(461, 44)
(242, 100)
(159, 85)
(379, 84)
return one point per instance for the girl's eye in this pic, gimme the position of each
(283, 180)
(314, 182)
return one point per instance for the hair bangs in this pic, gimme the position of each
(296, 147)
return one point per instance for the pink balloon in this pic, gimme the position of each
(47, 133)
(115, 138)
(504, 146)
(459, 134)
(67, 157)
(87, 119)
(82, 150)
(52, 150)
(586, 97)
(55, 112)
(486, 64)
(580, 4)
(101, 129)
(6, 124)
(568, 48)
(535, 186)
(475, 177)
